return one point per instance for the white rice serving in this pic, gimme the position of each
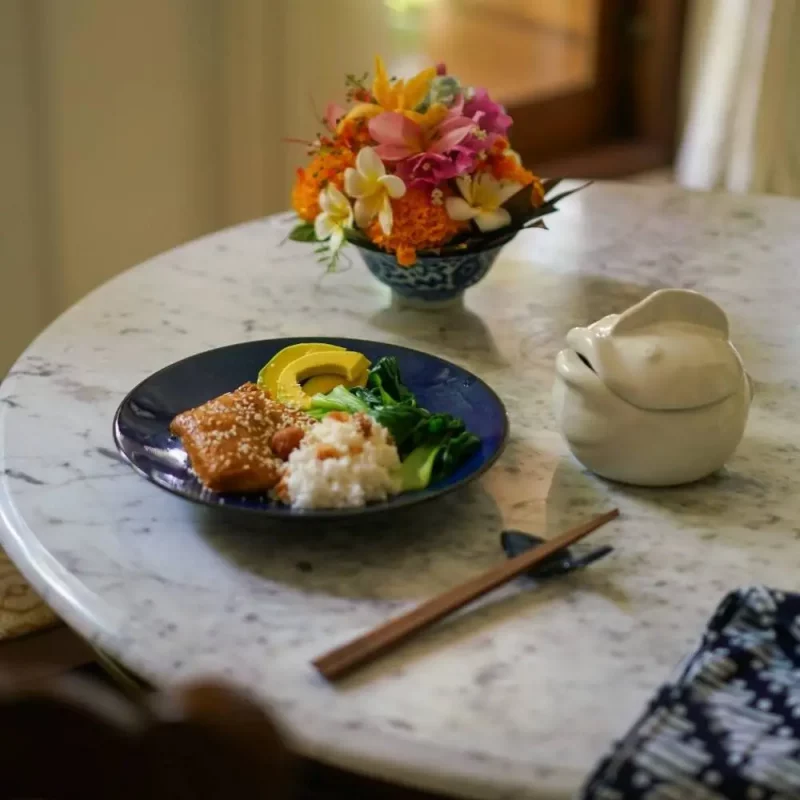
(342, 462)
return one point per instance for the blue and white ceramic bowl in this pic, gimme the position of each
(434, 281)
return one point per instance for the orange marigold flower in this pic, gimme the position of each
(504, 166)
(326, 167)
(507, 168)
(499, 146)
(419, 224)
(406, 256)
(354, 134)
(537, 192)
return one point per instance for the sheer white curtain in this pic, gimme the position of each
(742, 83)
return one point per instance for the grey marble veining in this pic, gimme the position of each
(517, 697)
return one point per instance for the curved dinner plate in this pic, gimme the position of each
(141, 424)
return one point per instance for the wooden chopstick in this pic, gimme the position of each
(365, 648)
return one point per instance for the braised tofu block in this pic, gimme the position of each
(229, 439)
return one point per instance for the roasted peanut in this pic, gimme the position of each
(285, 441)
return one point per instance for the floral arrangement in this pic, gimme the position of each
(415, 167)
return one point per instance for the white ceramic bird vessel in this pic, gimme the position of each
(655, 396)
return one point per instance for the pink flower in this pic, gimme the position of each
(334, 113)
(399, 137)
(477, 141)
(441, 68)
(490, 117)
(423, 156)
(433, 168)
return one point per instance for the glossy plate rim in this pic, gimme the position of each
(287, 513)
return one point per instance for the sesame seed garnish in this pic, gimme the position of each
(228, 439)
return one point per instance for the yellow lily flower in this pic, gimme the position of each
(401, 96)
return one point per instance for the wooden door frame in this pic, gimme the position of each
(627, 121)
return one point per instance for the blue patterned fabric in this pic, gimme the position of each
(728, 725)
(433, 278)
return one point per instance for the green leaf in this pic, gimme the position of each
(453, 453)
(520, 205)
(303, 232)
(528, 217)
(385, 375)
(534, 221)
(551, 201)
(358, 237)
(548, 184)
(402, 421)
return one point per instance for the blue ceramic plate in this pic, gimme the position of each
(141, 424)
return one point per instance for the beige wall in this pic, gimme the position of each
(23, 290)
(131, 138)
(126, 128)
(326, 39)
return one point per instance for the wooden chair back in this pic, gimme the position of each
(75, 738)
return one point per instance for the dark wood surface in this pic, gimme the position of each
(626, 121)
(74, 737)
(319, 782)
(572, 121)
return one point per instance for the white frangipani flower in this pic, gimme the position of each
(482, 199)
(372, 189)
(335, 216)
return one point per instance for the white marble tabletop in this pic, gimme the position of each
(518, 697)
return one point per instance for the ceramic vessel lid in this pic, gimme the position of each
(668, 352)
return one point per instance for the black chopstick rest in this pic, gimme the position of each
(515, 542)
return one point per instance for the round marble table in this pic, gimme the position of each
(518, 696)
